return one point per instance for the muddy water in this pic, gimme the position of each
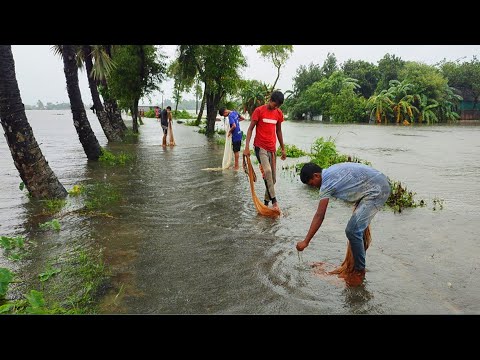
(187, 241)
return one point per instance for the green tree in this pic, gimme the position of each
(305, 77)
(139, 71)
(329, 65)
(465, 77)
(319, 97)
(366, 73)
(217, 66)
(278, 55)
(40, 105)
(425, 79)
(348, 107)
(32, 166)
(388, 68)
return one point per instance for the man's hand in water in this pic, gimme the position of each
(301, 245)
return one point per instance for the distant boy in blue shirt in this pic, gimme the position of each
(234, 119)
(352, 182)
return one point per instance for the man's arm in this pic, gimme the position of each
(315, 225)
(246, 152)
(280, 140)
(232, 127)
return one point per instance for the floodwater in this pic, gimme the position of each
(187, 241)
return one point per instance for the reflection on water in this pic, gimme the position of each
(188, 241)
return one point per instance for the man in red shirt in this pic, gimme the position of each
(268, 120)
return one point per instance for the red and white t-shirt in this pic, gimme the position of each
(266, 133)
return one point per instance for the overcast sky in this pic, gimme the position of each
(40, 73)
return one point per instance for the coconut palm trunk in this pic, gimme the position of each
(80, 121)
(34, 170)
(113, 112)
(111, 106)
(107, 127)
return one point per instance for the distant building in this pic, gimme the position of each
(466, 110)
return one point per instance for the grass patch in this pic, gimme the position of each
(110, 159)
(100, 196)
(130, 137)
(72, 291)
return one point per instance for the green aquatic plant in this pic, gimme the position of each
(52, 206)
(437, 203)
(111, 159)
(76, 190)
(49, 272)
(6, 277)
(100, 196)
(52, 225)
(401, 198)
(14, 247)
(292, 151)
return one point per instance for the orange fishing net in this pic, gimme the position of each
(347, 266)
(261, 208)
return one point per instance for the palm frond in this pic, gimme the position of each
(57, 50)
(103, 64)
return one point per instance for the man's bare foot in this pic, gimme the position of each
(275, 206)
(355, 278)
(236, 168)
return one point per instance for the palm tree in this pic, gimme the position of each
(380, 105)
(426, 107)
(253, 95)
(85, 133)
(87, 56)
(404, 108)
(34, 170)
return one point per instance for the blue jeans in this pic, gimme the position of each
(366, 209)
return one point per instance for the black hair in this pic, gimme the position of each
(277, 97)
(169, 107)
(306, 174)
(221, 111)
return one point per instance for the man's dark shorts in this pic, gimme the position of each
(236, 145)
(164, 128)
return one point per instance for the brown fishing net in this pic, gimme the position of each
(347, 266)
(252, 177)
